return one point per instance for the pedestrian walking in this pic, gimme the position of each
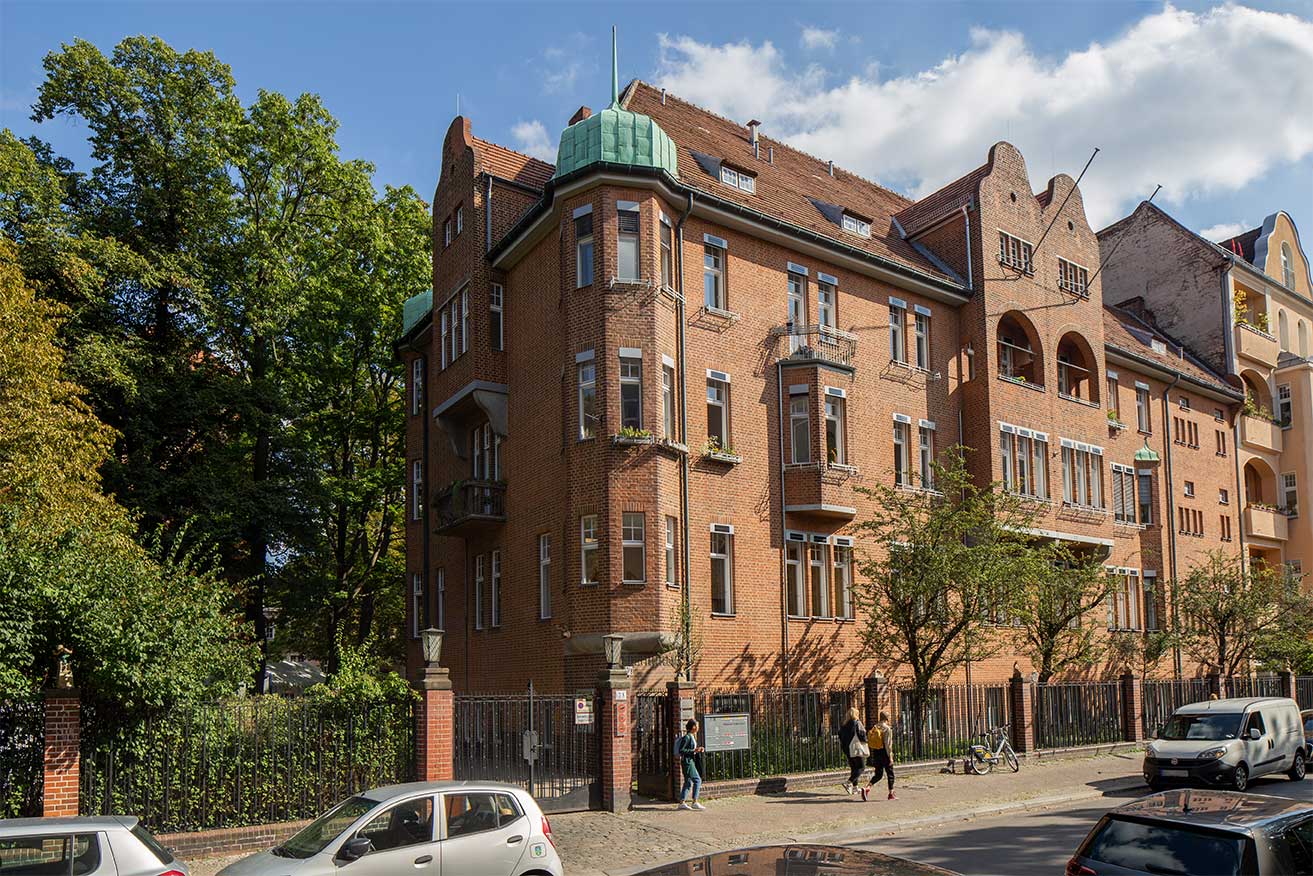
(880, 740)
(689, 752)
(852, 739)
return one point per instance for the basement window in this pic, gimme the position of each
(856, 225)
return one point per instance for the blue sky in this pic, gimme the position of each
(872, 85)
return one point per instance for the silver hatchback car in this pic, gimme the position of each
(109, 845)
(423, 828)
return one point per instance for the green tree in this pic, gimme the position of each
(1231, 615)
(1054, 607)
(945, 558)
(145, 625)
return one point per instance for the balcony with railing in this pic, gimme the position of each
(811, 343)
(466, 506)
(821, 489)
(1266, 522)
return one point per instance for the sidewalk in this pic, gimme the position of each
(602, 844)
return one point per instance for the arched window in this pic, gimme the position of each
(1283, 330)
(1303, 339)
(1019, 354)
(1287, 266)
(1076, 369)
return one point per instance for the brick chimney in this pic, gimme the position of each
(580, 114)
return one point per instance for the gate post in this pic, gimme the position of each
(613, 743)
(873, 687)
(1132, 707)
(1021, 704)
(1214, 684)
(435, 726)
(1287, 679)
(61, 755)
(681, 705)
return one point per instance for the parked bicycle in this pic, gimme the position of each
(995, 748)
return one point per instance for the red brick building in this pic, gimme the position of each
(657, 371)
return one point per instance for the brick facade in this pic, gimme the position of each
(935, 262)
(62, 756)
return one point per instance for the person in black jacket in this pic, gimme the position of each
(853, 731)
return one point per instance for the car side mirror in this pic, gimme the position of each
(355, 848)
(1254, 734)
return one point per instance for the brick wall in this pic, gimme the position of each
(62, 755)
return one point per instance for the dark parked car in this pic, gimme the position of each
(1197, 832)
(797, 860)
(1306, 718)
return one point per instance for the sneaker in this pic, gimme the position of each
(865, 792)
(683, 805)
(697, 805)
(891, 796)
(848, 789)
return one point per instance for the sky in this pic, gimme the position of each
(1212, 101)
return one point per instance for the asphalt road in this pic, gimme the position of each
(1029, 843)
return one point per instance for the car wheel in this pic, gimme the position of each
(1298, 768)
(1240, 781)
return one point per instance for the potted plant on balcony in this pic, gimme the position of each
(630, 436)
(1114, 422)
(713, 449)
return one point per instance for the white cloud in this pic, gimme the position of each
(531, 138)
(1224, 231)
(1176, 99)
(814, 38)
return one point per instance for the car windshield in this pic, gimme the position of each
(1168, 849)
(314, 837)
(1209, 726)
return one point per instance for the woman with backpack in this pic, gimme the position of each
(688, 750)
(852, 739)
(882, 756)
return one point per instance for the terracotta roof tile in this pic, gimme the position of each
(939, 204)
(797, 188)
(1132, 334)
(512, 165)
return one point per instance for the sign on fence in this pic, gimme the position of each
(726, 732)
(583, 709)
(530, 741)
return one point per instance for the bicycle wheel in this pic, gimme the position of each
(1011, 757)
(984, 764)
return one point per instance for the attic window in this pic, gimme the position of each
(855, 225)
(1158, 346)
(737, 179)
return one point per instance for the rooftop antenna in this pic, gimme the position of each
(1090, 282)
(615, 71)
(1058, 212)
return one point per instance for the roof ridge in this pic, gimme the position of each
(782, 144)
(486, 142)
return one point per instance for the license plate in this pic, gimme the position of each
(1175, 774)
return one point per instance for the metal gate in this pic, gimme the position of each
(653, 744)
(530, 740)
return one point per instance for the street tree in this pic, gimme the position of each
(1053, 607)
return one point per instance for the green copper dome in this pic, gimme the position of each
(616, 135)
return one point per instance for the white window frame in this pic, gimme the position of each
(827, 298)
(544, 576)
(495, 588)
(628, 239)
(1290, 494)
(416, 602)
(1188, 489)
(583, 251)
(925, 449)
(442, 320)
(1143, 492)
(1082, 475)
(800, 419)
(441, 599)
(902, 453)
(1285, 405)
(836, 420)
(460, 219)
(720, 387)
(446, 232)
(588, 546)
(1025, 456)
(416, 489)
(1073, 278)
(496, 317)
(818, 577)
(856, 225)
(1124, 496)
(716, 298)
(465, 320)
(842, 560)
(1149, 602)
(898, 331)
(1143, 420)
(667, 243)
(586, 378)
(672, 552)
(921, 332)
(795, 584)
(668, 422)
(478, 591)
(726, 532)
(631, 381)
(1016, 252)
(633, 537)
(416, 385)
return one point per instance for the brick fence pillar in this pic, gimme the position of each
(1132, 708)
(681, 705)
(1215, 684)
(615, 747)
(435, 727)
(62, 754)
(1287, 679)
(1021, 705)
(873, 688)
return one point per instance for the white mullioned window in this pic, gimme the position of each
(718, 410)
(795, 586)
(544, 576)
(464, 320)
(672, 558)
(1082, 474)
(633, 547)
(1142, 421)
(1285, 405)
(902, 452)
(627, 249)
(738, 179)
(921, 329)
(588, 417)
(825, 299)
(478, 592)
(496, 318)
(446, 233)
(843, 580)
(416, 489)
(797, 302)
(818, 576)
(1024, 454)
(1123, 493)
(713, 277)
(588, 549)
(496, 588)
(856, 225)
(898, 330)
(1073, 278)
(1014, 252)
(460, 218)
(1290, 494)
(722, 568)
(800, 428)
(416, 385)
(442, 320)
(583, 249)
(926, 454)
(667, 254)
(835, 428)
(668, 400)
(631, 392)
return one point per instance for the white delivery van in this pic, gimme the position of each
(1225, 743)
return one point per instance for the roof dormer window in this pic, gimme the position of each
(856, 225)
(738, 179)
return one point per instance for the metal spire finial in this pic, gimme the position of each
(615, 71)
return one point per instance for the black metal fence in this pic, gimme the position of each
(653, 741)
(946, 720)
(242, 762)
(490, 746)
(1068, 715)
(1253, 686)
(1161, 698)
(22, 744)
(793, 730)
(1304, 691)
